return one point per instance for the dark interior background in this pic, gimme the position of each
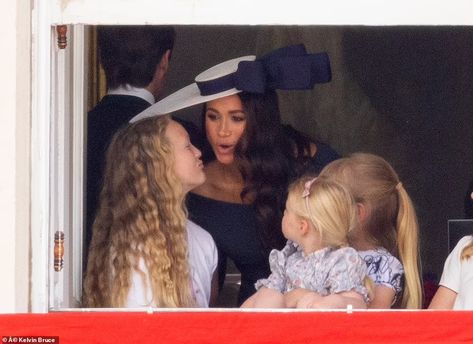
(404, 93)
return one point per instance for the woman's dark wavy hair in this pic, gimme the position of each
(271, 156)
(130, 54)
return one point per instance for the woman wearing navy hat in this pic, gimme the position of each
(250, 157)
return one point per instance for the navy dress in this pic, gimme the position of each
(234, 228)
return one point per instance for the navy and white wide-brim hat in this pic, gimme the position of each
(288, 68)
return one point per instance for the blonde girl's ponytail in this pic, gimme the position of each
(408, 250)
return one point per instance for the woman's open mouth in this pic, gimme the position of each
(225, 149)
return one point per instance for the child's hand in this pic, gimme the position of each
(339, 300)
(292, 297)
(310, 300)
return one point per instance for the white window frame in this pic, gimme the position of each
(48, 106)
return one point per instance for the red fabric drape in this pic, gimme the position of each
(244, 327)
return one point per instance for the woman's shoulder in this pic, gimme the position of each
(315, 152)
(325, 153)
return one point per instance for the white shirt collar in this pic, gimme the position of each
(128, 90)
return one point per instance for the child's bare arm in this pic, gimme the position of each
(444, 298)
(265, 298)
(250, 302)
(292, 297)
(383, 297)
(338, 300)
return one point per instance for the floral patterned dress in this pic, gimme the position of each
(326, 271)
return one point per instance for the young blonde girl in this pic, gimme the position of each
(144, 251)
(387, 237)
(316, 268)
(456, 285)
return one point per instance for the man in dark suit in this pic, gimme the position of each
(135, 60)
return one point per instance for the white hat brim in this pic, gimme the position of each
(190, 95)
(184, 98)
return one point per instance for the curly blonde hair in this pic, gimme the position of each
(141, 217)
(392, 221)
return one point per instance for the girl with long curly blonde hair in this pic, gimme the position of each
(388, 235)
(144, 251)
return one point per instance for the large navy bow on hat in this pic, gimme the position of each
(288, 68)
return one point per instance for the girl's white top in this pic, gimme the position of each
(458, 275)
(202, 260)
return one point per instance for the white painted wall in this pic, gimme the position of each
(295, 12)
(14, 153)
(15, 87)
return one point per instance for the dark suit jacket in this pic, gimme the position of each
(111, 113)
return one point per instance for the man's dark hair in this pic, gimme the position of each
(130, 54)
